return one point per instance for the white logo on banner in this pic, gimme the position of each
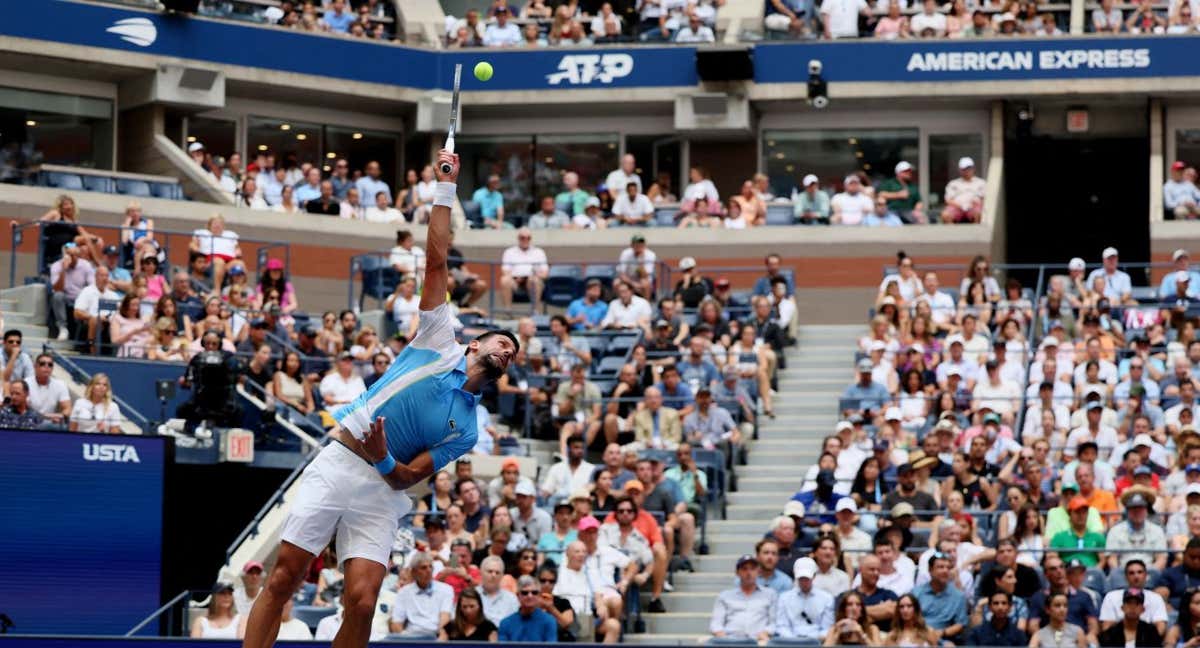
(110, 452)
(1025, 60)
(139, 31)
(583, 69)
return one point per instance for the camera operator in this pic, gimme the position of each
(212, 375)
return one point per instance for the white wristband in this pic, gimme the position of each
(445, 194)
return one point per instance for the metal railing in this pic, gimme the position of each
(381, 280)
(84, 377)
(169, 608)
(276, 499)
(163, 237)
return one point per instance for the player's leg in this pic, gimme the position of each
(290, 567)
(319, 502)
(364, 577)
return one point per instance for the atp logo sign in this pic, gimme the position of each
(139, 31)
(584, 69)
(110, 453)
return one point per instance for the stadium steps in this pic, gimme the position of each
(818, 369)
(25, 309)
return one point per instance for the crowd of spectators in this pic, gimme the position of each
(373, 19)
(963, 19)
(940, 512)
(541, 24)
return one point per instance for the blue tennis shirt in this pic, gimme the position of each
(421, 396)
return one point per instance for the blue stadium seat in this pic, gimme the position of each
(98, 183)
(311, 615)
(138, 188)
(605, 272)
(68, 181)
(473, 213)
(1095, 580)
(621, 344)
(665, 216)
(563, 285)
(780, 214)
(610, 365)
(378, 279)
(166, 190)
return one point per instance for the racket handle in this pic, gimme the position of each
(445, 167)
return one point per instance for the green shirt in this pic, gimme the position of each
(1068, 540)
(686, 483)
(817, 203)
(577, 199)
(905, 205)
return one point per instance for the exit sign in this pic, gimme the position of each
(238, 446)
(1077, 120)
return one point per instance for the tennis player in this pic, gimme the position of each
(415, 420)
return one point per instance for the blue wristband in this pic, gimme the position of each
(386, 465)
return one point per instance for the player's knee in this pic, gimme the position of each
(359, 601)
(284, 581)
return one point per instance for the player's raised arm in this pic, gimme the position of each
(437, 241)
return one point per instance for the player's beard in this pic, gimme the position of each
(493, 366)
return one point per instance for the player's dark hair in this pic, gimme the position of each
(483, 337)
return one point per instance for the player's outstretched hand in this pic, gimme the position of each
(452, 159)
(375, 442)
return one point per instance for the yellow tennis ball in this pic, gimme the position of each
(483, 70)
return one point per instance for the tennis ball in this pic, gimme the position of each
(483, 70)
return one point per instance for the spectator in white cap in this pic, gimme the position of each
(527, 517)
(1182, 261)
(1075, 288)
(852, 205)
(964, 195)
(811, 206)
(854, 541)
(865, 395)
(805, 612)
(882, 370)
(1179, 306)
(1181, 198)
(966, 367)
(1118, 287)
(196, 152)
(591, 218)
(901, 192)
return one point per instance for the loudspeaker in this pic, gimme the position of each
(724, 64)
(181, 6)
(196, 79)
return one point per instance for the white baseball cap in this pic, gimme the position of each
(852, 178)
(195, 146)
(687, 263)
(965, 162)
(805, 568)
(843, 425)
(524, 487)
(1177, 254)
(810, 179)
(1143, 440)
(846, 504)
(903, 166)
(1108, 252)
(1076, 264)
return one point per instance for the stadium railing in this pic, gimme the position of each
(256, 251)
(134, 185)
(83, 377)
(377, 279)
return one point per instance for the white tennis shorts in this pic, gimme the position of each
(339, 491)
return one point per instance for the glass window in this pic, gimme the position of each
(358, 147)
(944, 153)
(510, 157)
(293, 143)
(833, 154)
(1187, 146)
(533, 165)
(42, 127)
(591, 156)
(219, 136)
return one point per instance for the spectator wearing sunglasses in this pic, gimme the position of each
(529, 623)
(48, 395)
